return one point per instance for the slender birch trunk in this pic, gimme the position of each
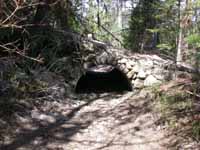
(179, 50)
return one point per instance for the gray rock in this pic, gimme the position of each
(123, 61)
(160, 76)
(150, 80)
(158, 63)
(146, 64)
(125, 70)
(130, 74)
(158, 70)
(122, 67)
(141, 74)
(102, 58)
(88, 46)
(110, 59)
(138, 83)
(148, 71)
(134, 76)
(114, 62)
(136, 68)
(132, 82)
(159, 73)
(129, 65)
(132, 62)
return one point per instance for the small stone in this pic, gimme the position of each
(132, 63)
(141, 74)
(157, 58)
(136, 68)
(132, 82)
(159, 73)
(146, 64)
(123, 61)
(148, 72)
(114, 62)
(150, 80)
(122, 67)
(110, 59)
(138, 83)
(129, 66)
(134, 76)
(158, 70)
(160, 77)
(125, 70)
(130, 74)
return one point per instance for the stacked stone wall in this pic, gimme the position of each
(142, 70)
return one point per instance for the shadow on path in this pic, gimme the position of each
(45, 131)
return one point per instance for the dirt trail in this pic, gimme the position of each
(118, 123)
(109, 122)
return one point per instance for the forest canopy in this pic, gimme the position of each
(164, 26)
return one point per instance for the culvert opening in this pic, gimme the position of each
(103, 78)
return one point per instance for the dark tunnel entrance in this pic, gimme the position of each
(103, 78)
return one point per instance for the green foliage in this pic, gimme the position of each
(175, 102)
(141, 22)
(168, 25)
(102, 17)
(166, 49)
(148, 18)
(196, 129)
(163, 47)
(194, 47)
(194, 40)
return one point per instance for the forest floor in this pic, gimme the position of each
(109, 121)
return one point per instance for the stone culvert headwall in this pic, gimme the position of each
(142, 69)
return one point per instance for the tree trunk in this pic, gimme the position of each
(184, 23)
(119, 14)
(179, 49)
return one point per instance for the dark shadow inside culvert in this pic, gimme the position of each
(103, 78)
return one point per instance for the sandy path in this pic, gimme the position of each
(110, 122)
(119, 123)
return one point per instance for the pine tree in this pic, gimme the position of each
(142, 19)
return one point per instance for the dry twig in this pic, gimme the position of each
(17, 51)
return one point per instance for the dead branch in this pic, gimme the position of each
(105, 29)
(12, 14)
(191, 93)
(19, 8)
(41, 61)
(187, 67)
(16, 51)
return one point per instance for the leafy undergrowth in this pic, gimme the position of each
(178, 103)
